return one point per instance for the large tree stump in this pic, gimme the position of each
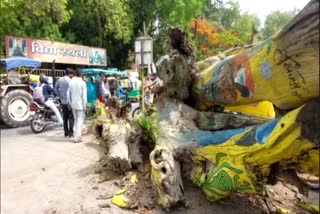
(122, 139)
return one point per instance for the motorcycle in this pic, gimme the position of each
(43, 116)
(147, 104)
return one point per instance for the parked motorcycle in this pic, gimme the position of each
(43, 116)
(124, 103)
(147, 104)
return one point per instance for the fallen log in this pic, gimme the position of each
(226, 161)
(193, 144)
(121, 138)
(282, 69)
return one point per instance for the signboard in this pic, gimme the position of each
(47, 51)
(143, 48)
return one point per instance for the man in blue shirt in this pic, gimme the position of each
(61, 89)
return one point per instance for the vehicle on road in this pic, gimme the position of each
(138, 109)
(43, 116)
(115, 78)
(16, 76)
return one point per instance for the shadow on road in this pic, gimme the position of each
(95, 167)
(24, 131)
(99, 167)
(4, 126)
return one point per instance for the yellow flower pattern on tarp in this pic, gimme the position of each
(229, 167)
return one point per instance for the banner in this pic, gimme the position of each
(47, 51)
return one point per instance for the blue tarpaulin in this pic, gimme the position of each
(16, 62)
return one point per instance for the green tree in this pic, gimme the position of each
(102, 23)
(112, 17)
(276, 21)
(33, 18)
(175, 13)
(227, 15)
(178, 12)
(244, 26)
(223, 13)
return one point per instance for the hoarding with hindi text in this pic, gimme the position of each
(47, 51)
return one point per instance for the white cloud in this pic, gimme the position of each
(262, 8)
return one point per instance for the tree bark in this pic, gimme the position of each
(282, 69)
(191, 143)
(122, 139)
(222, 162)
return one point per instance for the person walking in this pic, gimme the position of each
(77, 97)
(61, 90)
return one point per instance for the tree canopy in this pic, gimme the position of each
(275, 21)
(211, 25)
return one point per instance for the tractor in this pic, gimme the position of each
(17, 74)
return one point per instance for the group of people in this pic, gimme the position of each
(107, 93)
(72, 91)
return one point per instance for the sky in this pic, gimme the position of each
(262, 8)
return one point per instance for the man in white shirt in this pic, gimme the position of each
(77, 98)
(102, 88)
(105, 88)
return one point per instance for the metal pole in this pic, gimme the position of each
(53, 73)
(142, 88)
(141, 69)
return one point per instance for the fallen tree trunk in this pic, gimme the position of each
(238, 159)
(122, 139)
(227, 161)
(222, 152)
(282, 69)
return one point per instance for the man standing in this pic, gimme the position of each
(61, 90)
(103, 89)
(77, 97)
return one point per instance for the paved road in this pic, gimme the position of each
(46, 172)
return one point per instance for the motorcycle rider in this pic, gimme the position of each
(41, 94)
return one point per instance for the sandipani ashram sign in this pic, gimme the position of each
(47, 51)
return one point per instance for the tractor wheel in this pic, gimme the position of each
(15, 108)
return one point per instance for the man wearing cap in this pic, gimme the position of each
(61, 89)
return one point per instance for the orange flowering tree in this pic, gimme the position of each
(211, 39)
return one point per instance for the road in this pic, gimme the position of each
(47, 173)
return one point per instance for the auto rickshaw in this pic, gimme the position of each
(115, 79)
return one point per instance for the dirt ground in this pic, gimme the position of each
(46, 173)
